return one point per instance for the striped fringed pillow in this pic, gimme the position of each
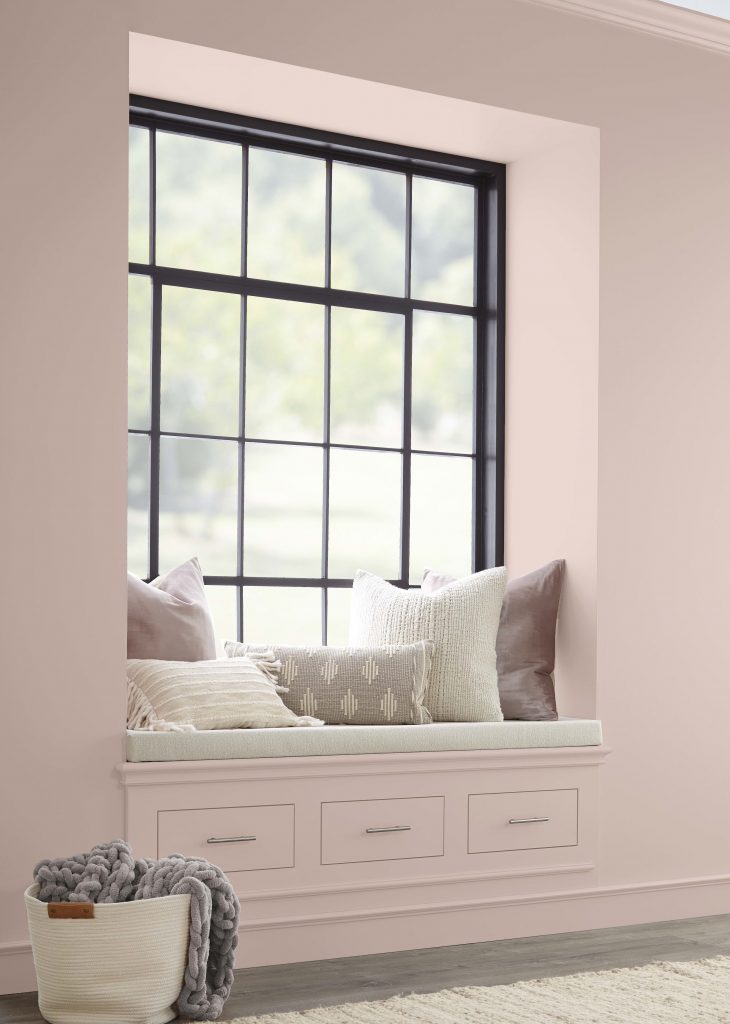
(181, 696)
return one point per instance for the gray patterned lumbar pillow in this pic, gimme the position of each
(352, 685)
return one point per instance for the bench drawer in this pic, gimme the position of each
(355, 831)
(234, 838)
(523, 821)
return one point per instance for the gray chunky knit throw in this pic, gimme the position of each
(110, 874)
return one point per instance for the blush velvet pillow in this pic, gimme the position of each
(169, 619)
(525, 640)
(461, 620)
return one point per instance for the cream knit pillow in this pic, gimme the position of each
(181, 696)
(461, 619)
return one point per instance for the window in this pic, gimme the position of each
(315, 364)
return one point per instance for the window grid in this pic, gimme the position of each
(487, 315)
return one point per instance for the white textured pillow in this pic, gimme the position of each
(181, 696)
(462, 620)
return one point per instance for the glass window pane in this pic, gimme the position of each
(368, 229)
(339, 605)
(282, 532)
(283, 615)
(138, 504)
(365, 509)
(199, 183)
(199, 504)
(284, 370)
(223, 603)
(286, 217)
(441, 515)
(366, 377)
(139, 315)
(442, 256)
(443, 382)
(139, 194)
(201, 343)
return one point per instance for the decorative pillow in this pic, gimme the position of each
(353, 685)
(169, 619)
(181, 696)
(461, 620)
(525, 641)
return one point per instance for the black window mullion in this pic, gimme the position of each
(409, 234)
(406, 468)
(326, 464)
(316, 294)
(241, 459)
(479, 552)
(327, 402)
(152, 247)
(242, 386)
(407, 398)
(155, 394)
(493, 256)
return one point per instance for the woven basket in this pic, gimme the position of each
(123, 966)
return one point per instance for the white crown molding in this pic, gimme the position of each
(655, 17)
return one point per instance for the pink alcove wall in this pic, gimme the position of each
(663, 496)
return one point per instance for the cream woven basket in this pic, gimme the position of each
(123, 966)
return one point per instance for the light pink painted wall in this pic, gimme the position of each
(63, 72)
(664, 496)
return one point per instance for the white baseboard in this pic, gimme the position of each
(359, 932)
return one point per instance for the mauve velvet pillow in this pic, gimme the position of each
(525, 641)
(169, 619)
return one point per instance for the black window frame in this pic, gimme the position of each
(489, 181)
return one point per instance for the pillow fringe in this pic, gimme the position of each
(269, 664)
(141, 714)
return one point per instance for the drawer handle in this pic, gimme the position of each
(389, 828)
(232, 839)
(525, 821)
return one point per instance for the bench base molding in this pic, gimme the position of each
(264, 943)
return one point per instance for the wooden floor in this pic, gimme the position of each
(327, 982)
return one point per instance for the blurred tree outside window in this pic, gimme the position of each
(271, 427)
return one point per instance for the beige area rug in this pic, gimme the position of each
(697, 992)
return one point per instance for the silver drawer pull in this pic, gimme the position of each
(232, 839)
(389, 828)
(525, 821)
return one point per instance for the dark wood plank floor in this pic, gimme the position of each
(327, 982)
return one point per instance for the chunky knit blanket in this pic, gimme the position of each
(110, 874)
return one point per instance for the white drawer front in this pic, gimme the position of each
(234, 838)
(523, 821)
(370, 830)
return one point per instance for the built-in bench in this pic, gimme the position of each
(344, 840)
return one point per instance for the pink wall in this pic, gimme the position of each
(62, 424)
(663, 490)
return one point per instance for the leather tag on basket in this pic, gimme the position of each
(80, 911)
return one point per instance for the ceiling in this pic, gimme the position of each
(718, 8)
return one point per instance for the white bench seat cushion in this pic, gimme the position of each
(222, 744)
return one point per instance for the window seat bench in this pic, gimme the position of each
(223, 744)
(344, 840)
